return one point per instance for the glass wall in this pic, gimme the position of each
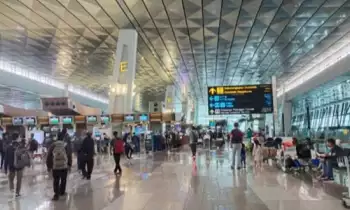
(329, 110)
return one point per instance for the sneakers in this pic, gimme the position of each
(17, 195)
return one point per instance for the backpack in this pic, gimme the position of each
(34, 145)
(22, 158)
(59, 156)
(236, 136)
(118, 146)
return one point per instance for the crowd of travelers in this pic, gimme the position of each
(17, 153)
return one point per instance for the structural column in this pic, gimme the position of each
(122, 81)
(287, 117)
(170, 98)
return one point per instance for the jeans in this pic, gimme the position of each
(236, 155)
(88, 163)
(327, 168)
(128, 152)
(193, 149)
(59, 181)
(117, 163)
(19, 175)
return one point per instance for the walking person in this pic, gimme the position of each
(236, 144)
(117, 149)
(77, 150)
(88, 152)
(59, 161)
(16, 159)
(2, 153)
(193, 139)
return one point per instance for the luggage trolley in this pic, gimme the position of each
(343, 162)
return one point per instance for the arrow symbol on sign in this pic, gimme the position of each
(212, 91)
(211, 98)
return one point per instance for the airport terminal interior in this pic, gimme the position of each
(204, 104)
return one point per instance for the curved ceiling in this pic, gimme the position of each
(192, 42)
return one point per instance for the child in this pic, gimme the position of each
(243, 152)
(257, 153)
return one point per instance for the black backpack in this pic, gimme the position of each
(34, 145)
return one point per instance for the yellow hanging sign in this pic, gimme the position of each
(123, 66)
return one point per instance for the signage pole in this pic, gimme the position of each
(275, 111)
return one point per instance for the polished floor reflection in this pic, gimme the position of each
(170, 181)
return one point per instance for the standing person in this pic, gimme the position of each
(87, 151)
(2, 152)
(16, 159)
(77, 150)
(257, 153)
(236, 144)
(59, 161)
(128, 146)
(243, 156)
(193, 141)
(66, 138)
(33, 147)
(135, 140)
(117, 149)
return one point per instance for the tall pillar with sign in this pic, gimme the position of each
(169, 98)
(122, 81)
(275, 106)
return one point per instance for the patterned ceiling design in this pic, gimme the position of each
(193, 42)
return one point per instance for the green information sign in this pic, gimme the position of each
(91, 119)
(67, 120)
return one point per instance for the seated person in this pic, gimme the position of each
(278, 142)
(330, 159)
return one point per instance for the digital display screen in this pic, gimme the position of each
(105, 119)
(91, 119)
(54, 120)
(67, 120)
(143, 117)
(30, 120)
(129, 117)
(17, 121)
(240, 99)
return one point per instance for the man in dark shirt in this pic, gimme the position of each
(236, 144)
(330, 159)
(87, 151)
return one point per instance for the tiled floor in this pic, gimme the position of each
(173, 182)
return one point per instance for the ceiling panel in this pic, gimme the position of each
(183, 42)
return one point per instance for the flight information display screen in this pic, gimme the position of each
(240, 99)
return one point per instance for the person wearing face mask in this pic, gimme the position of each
(330, 159)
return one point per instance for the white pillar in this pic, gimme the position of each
(287, 119)
(169, 97)
(275, 107)
(122, 83)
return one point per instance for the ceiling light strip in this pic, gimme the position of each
(326, 60)
(15, 69)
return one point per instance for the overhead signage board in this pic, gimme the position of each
(54, 120)
(30, 120)
(17, 121)
(105, 119)
(91, 119)
(240, 99)
(67, 120)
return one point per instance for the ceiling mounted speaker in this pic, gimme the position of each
(155, 104)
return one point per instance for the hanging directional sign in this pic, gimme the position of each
(123, 66)
(240, 99)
